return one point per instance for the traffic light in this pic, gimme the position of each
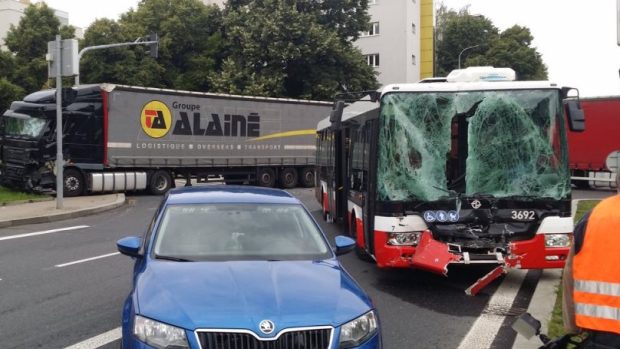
(153, 47)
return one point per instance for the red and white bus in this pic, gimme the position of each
(470, 170)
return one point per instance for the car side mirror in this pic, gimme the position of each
(344, 245)
(130, 246)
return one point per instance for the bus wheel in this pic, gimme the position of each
(288, 178)
(266, 177)
(307, 177)
(160, 182)
(72, 183)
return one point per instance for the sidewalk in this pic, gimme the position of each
(45, 211)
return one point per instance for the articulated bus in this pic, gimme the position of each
(464, 171)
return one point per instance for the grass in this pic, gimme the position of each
(8, 195)
(556, 325)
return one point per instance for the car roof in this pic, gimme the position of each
(216, 194)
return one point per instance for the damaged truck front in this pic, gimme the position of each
(466, 171)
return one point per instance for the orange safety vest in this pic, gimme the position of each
(596, 270)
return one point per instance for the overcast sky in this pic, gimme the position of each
(576, 38)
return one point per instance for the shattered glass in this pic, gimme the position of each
(30, 127)
(515, 145)
(414, 139)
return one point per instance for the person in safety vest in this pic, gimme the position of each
(591, 281)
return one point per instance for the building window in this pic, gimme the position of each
(413, 59)
(413, 28)
(372, 60)
(374, 30)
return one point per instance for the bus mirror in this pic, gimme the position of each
(336, 114)
(576, 117)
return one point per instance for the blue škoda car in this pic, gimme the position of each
(242, 268)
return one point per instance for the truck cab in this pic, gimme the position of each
(29, 136)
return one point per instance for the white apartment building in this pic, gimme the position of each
(220, 3)
(11, 12)
(399, 42)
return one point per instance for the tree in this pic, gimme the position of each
(510, 48)
(189, 46)
(9, 92)
(457, 31)
(513, 50)
(28, 42)
(284, 49)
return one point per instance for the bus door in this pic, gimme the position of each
(370, 135)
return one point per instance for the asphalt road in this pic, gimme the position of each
(63, 287)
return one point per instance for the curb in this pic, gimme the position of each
(541, 306)
(54, 217)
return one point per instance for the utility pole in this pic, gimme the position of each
(59, 158)
(152, 42)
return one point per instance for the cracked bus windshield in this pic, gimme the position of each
(502, 143)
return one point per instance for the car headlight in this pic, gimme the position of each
(557, 240)
(356, 332)
(404, 239)
(158, 335)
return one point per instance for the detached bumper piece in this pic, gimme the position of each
(433, 255)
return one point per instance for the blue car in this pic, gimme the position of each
(229, 267)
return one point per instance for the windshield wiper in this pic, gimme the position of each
(172, 258)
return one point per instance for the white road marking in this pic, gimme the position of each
(19, 236)
(485, 329)
(98, 341)
(86, 260)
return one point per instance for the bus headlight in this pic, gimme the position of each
(557, 240)
(404, 239)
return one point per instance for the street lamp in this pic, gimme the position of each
(465, 49)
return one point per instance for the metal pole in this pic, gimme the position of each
(465, 49)
(99, 47)
(59, 157)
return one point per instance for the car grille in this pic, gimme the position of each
(298, 339)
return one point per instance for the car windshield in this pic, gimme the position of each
(26, 127)
(223, 232)
(501, 143)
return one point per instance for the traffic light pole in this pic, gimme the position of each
(59, 157)
(100, 47)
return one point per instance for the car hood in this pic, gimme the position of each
(240, 294)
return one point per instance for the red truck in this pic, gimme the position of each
(595, 153)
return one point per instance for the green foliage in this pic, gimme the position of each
(8, 92)
(282, 49)
(189, 46)
(8, 195)
(28, 43)
(510, 48)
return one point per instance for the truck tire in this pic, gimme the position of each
(288, 178)
(307, 177)
(72, 183)
(266, 177)
(160, 182)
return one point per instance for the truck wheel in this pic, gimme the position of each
(307, 177)
(160, 182)
(266, 178)
(288, 178)
(72, 183)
